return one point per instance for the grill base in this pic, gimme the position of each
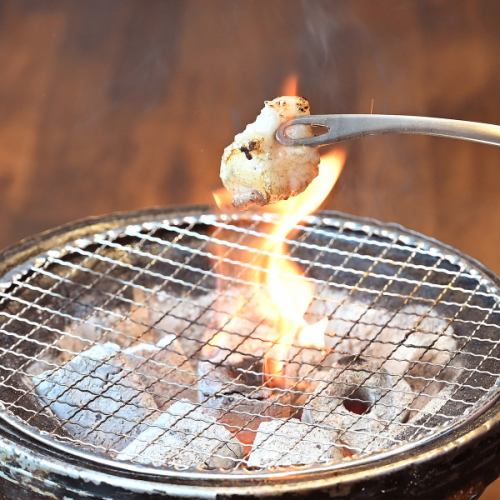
(460, 468)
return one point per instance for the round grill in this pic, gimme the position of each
(137, 344)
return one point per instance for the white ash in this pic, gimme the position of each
(182, 317)
(304, 362)
(185, 436)
(242, 415)
(224, 376)
(413, 342)
(362, 405)
(236, 391)
(301, 374)
(237, 326)
(95, 409)
(118, 326)
(292, 442)
(208, 319)
(163, 370)
(229, 349)
(231, 359)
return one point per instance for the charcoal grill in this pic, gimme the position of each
(154, 275)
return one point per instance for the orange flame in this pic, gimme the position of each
(222, 198)
(290, 85)
(289, 291)
(313, 335)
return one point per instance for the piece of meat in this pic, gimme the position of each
(257, 169)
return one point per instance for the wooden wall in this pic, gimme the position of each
(112, 105)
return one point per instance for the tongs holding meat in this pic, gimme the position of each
(343, 127)
(276, 156)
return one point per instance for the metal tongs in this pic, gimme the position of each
(342, 127)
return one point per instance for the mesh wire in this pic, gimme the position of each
(144, 344)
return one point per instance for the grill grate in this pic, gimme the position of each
(111, 345)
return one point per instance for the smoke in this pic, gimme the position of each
(320, 27)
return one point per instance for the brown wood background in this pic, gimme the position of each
(115, 105)
(110, 105)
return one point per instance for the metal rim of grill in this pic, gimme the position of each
(369, 259)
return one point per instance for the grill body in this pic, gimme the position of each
(458, 467)
(462, 457)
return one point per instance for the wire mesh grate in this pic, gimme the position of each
(144, 345)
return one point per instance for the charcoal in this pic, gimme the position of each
(164, 372)
(124, 327)
(361, 404)
(305, 370)
(398, 341)
(185, 436)
(134, 328)
(242, 415)
(181, 317)
(78, 336)
(131, 384)
(95, 409)
(414, 342)
(121, 327)
(215, 378)
(236, 391)
(291, 442)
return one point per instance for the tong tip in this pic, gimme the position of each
(283, 138)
